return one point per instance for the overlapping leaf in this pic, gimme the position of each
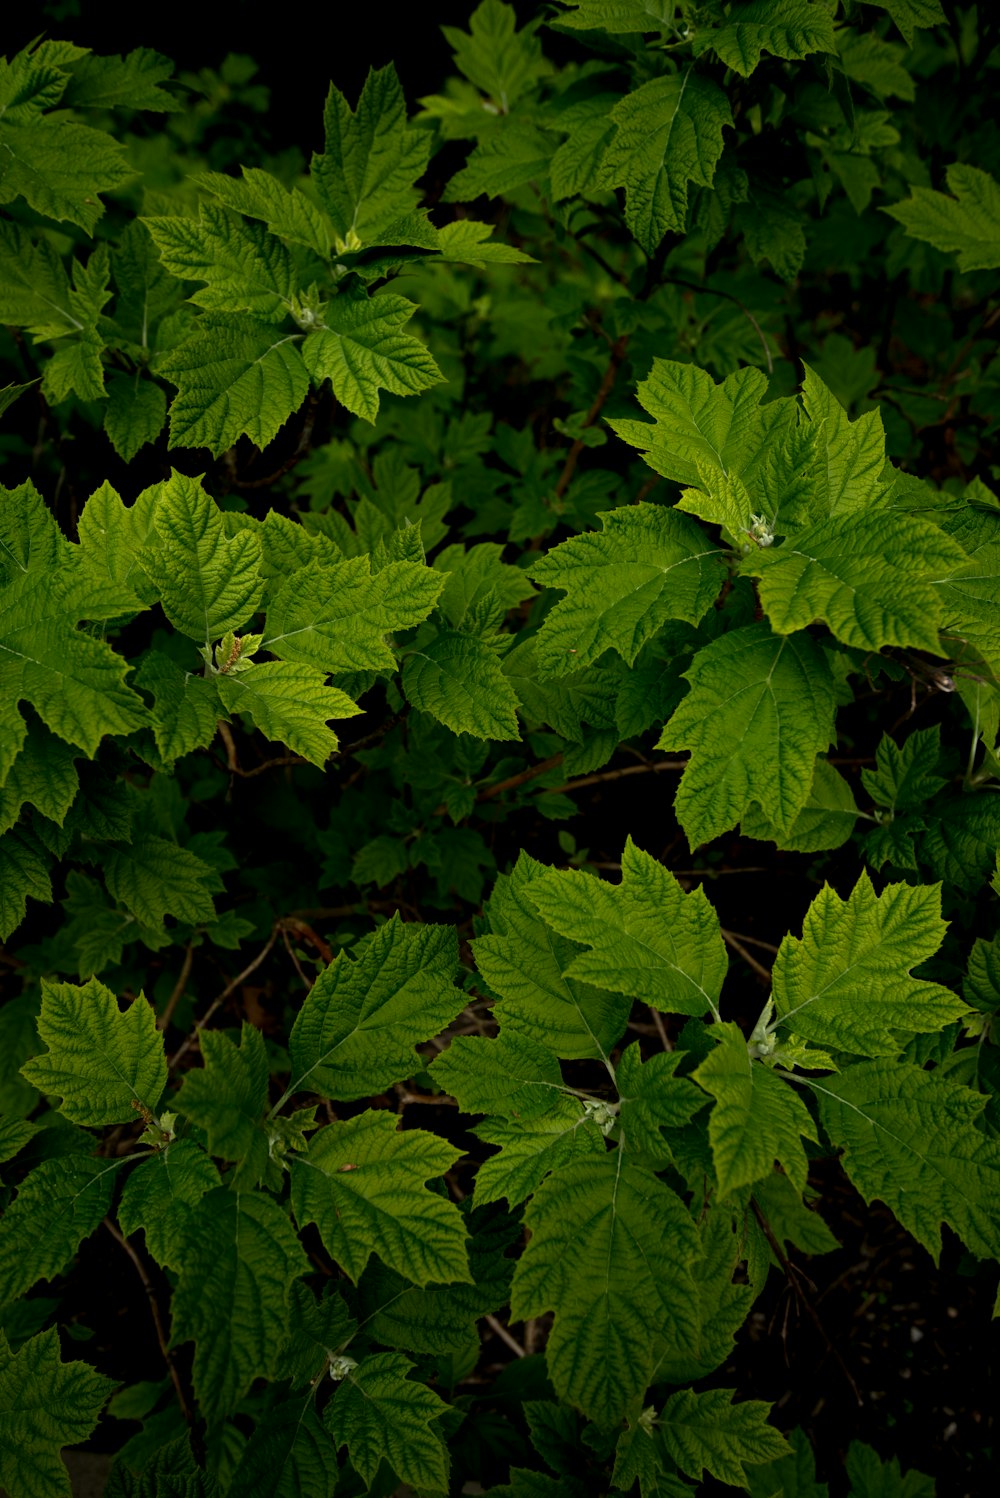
(291, 704)
(966, 224)
(159, 1194)
(380, 1414)
(227, 1098)
(705, 1431)
(245, 268)
(697, 424)
(45, 1404)
(785, 28)
(458, 680)
(530, 1148)
(508, 1074)
(59, 1204)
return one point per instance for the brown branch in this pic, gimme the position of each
(661, 1028)
(217, 1002)
(161, 1334)
(513, 781)
(499, 1330)
(748, 958)
(607, 384)
(177, 991)
(602, 775)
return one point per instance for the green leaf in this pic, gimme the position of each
(870, 576)
(530, 1148)
(336, 617)
(826, 820)
(577, 165)
(793, 1474)
(113, 535)
(245, 268)
(494, 55)
(603, 1233)
(506, 1074)
(239, 1259)
(103, 1062)
(235, 376)
(160, 1193)
(966, 224)
(706, 1432)
(24, 872)
(380, 1414)
(356, 1031)
(59, 1204)
(648, 565)
(34, 289)
(290, 704)
(227, 1097)
(45, 1404)
(669, 136)
(186, 708)
(366, 174)
(653, 1098)
(361, 349)
(208, 582)
(617, 15)
(773, 230)
(785, 28)
(43, 775)
(698, 426)
(524, 960)
(14, 1135)
(363, 1184)
(287, 212)
(721, 1306)
(288, 1454)
(759, 711)
(30, 539)
(466, 242)
(154, 877)
(75, 368)
(904, 775)
(911, 14)
(757, 1118)
(516, 153)
(848, 982)
(912, 1139)
(645, 937)
(851, 454)
(10, 393)
(458, 680)
(873, 1478)
(59, 167)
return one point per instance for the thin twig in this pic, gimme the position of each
(714, 291)
(661, 1028)
(748, 958)
(177, 991)
(505, 1336)
(217, 1003)
(513, 781)
(803, 1300)
(601, 775)
(161, 1334)
(607, 384)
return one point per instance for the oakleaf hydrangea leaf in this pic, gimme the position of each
(669, 136)
(847, 983)
(904, 774)
(458, 680)
(704, 1431)
(287, 212)
(966, 224)
(235, 376)
(646, 936)
(466, 242)
(208, 582)
(289, 1453)
(524, 960)
(102, 1061)
(159, 1194)
(911, 1138)
(616, 15)
(648, 564)
(653, 1099)
(239, 1260)
(757, 1117)
(382, 1415)
(291, 704)
(363, 1184)
(113, 536)
(608, 1253)
(336, 617)
(507, 1074)
(227, 1097)
(530, 1148)
(154, 877)
(24, 872)
(43, 775)
(246, 268)
(186, 708)
(356, 1031)
(785, 28)
(850, 454)
(909, 15)
(698, 425)
(361, 349)
(870, 576)
(760, 710)
(59, 1204)
(59, 167)
(45, 1404)
(130, 82)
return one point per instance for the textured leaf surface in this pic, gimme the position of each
(785, 28)
(291, 704)
(59, 1204)
(186, 708)
(288, 1455)
(525, 960)
(759, 711)
(530, 1148)
(669, 137)
(362, 350)
(227, 1098)
(363, 1184)
(757, 1117)
(646, 937)
(154, 878)
(24, 872)
(608, 1253)
(697, 425)
(59, 167)
(647, 565)
(458, 680)
(208, 582)
(43, 775)
(45, 1404)
(336, 617)
(706, 1432)
(870, 576)
(235, 376)
(113, 536)
(246, 268)
(380, 1414)
(966, 224)
(287, 212)
(239, 1260)
(910, 1138)
(159, 1193)
(508, 1074)
(101, 1061)
(847, 982)
(851, 454)
(653, 1099)
(355, 1034)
